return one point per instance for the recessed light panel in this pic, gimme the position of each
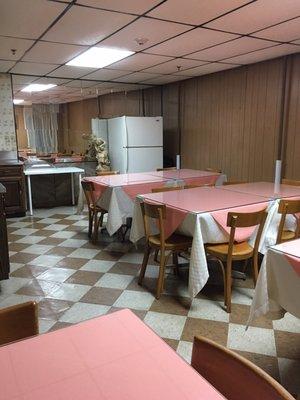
(37, 87)
(99, 57)
(18, 101)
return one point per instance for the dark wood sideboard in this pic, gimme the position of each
(4, 257)
(13, 179)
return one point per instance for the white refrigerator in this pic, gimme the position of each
(135, 143)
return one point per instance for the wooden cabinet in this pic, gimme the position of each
(4, 258)
(12, 178)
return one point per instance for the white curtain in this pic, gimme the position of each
(42, 125)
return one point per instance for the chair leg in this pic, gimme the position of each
(175, 262)
(228, 286)
(96, 227)
(101, 219)
(91, 216)
(144, 264)
(156, 255)
(224, 280)
(161, 277)
(255, 269)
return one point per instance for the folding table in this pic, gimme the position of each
(115, 356)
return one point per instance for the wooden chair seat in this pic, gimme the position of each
(239, 250)
(173, 242)
(287, 235)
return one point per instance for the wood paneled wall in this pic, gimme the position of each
(232, 120)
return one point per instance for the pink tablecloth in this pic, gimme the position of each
(291, 252)
(113, 357)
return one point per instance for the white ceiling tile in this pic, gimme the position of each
(191, 41)
(5, 65)
(68, 71)
(257, 15)
(86, 26)
(139, 61)
(23, 79)
(265, 54)
(165, 79)
(56, 53)
(195, 12)
(136, 77)
(230, 49)
(106, 74)
(129, 6)
(174, 66)
(27, 18)
(32, 68)
(20, 45)
(284, 32)
(207, 69)
(80, 84)
(144, 28)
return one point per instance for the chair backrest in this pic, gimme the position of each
(232, 375)
(88, 190)
(246, 220)
(157, 212)
(219, 171)
(18, 322)
(290, 182)
(166, 169)
(196, 186)
(288, 207)
(105, 173)
(233, 183)
(166, 189)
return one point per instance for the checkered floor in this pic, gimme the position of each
(53, 262)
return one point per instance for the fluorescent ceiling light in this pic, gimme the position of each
(18, 101)
(37, 87)
(99, 57)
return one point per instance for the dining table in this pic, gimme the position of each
(277, 289)
(200, 213)
(116, 193)
(112, 357)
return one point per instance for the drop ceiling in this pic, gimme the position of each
(173, 40)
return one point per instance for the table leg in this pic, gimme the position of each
(72, 186)
(29, 195)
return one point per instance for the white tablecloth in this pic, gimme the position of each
(277, 289)
(204, 229)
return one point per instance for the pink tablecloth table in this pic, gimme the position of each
(113, 357)
(278, 286)
(116, 193)
(200, 213)
(265, 189)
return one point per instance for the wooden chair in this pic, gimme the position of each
(94, 210)
(166, 169)
(232, 251)
(233, 183)
(173, 244)
(219, 171)
(290, 182)
(166, 189)
(195, 186)
(105, 173)
(18, 322)
(232, 375)
(288, 207)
